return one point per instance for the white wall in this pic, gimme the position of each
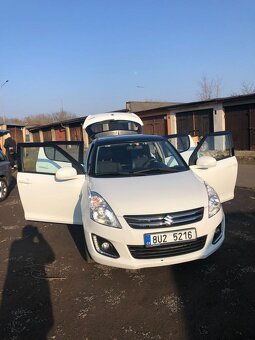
(218, 117)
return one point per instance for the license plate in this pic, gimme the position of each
(158, 239)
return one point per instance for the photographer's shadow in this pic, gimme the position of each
(26, 309)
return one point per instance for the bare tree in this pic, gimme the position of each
(42, 118)
(14, 120)
(38, 119)
(246, 88)
(62, 115)
(209, 88)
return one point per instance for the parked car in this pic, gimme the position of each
(140, 204)
(4, 132)
(5, 176)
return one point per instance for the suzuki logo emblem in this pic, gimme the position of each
(168, 220)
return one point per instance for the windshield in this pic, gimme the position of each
(137, 158)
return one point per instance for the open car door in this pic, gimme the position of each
(50, 180)
(219, 145)
(221, 170)
(183, 143)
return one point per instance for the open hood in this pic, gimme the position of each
(110, 124)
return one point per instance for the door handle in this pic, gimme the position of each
(24, 181)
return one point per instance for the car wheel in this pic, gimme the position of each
(3, 189)
(88, 257)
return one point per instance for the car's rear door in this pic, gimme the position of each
(43, 197)
(221, 177)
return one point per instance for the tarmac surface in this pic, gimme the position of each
(246, 175)
(48, 291)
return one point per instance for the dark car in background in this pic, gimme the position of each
(5, 176)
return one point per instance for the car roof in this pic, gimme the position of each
(128, 139)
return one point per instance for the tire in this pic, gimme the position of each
(87, 254)
(3, 189)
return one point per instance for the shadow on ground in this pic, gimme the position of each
(26, 309)
(216, 295)
(77, 233)
(12, 184)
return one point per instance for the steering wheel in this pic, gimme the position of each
(149, 162)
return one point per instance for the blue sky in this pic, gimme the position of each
(92, 55)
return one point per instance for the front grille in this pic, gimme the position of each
(173, 249)
(162, 220)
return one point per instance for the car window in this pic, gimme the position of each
(133, 158)
(1, 156)
(88, 157)
(106, 128)
(55, 155)
(180, 142)
(217, 146)
(49, 157)
(43, 160)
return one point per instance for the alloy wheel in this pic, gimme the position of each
(3, 189)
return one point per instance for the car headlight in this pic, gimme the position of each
(101, 212)
(214, 204)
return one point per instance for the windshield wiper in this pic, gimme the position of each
(138, 172)
(114, 174)
(156, 170)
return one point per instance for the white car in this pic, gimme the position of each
(139, 202)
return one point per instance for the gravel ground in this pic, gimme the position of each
(48, 291)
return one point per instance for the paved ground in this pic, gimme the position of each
(246, 175)
(49, 292)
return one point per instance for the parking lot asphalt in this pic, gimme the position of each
(48, 291)
(246, 175)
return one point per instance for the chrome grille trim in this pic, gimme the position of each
(157, 221)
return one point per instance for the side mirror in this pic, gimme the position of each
(65, 174)
(206, 162)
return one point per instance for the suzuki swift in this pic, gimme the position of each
(140, 204)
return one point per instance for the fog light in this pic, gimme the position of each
(217, 235)
(104, 247)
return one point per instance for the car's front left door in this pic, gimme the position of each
(43, 196)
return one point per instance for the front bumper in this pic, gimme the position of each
(127, 238)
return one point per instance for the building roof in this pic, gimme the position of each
(137, 106)
(224, 100)
(63, 122)
(148, 106)
(8, 124)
